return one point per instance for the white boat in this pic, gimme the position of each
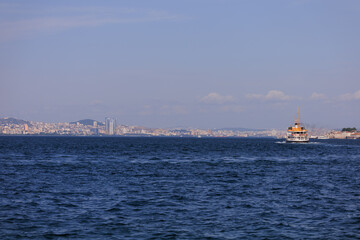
(323, 137)
(297, 133)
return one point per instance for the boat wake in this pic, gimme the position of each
(302, 143)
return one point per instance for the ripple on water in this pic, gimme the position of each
(141, 188)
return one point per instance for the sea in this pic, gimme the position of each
(178, 188)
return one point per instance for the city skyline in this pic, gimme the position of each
(201, 64)
(89, 127)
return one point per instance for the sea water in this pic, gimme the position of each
(178, 188)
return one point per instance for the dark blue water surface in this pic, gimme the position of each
(178, 188)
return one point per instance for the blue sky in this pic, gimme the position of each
(198, 63)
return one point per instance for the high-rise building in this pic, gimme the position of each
(110, 126)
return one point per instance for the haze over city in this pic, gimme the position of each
(203, 63)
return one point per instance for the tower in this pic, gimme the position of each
(110, 125)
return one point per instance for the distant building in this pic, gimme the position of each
(110, 126)
(339, 135)
(354, 135)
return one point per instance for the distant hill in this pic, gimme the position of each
(89, 122)
(6, 120)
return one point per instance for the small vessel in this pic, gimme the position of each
(323, 137)
(297, 133)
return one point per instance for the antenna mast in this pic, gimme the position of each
(297, 116)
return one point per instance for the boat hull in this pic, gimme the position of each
(297, 140)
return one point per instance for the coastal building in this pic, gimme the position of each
(110, 126)
(339, 135)
(355, 135)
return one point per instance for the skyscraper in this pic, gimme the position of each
(110, 126)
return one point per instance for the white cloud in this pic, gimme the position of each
(50, 20)
(271, 95)
(216, 98)
(318, 96)
(350, 96)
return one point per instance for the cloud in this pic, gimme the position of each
(271, 95)
(146, 111)
(232, 108)
(216, 98)
(350, 96)
(96, 102)
(318, 96)
(20, 21)
(173, 110)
